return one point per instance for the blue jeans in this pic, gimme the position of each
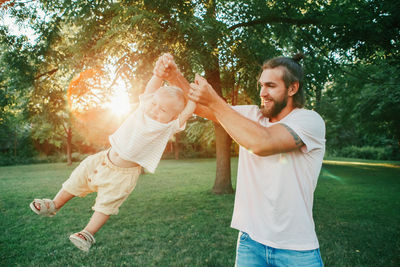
(252, 253)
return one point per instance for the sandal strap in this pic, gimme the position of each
(88, 236)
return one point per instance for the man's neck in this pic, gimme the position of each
(284, 112)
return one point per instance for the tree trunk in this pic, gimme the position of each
(15, 144)
(398, 144)
(223, 183)
(176, 146)
(69, 146)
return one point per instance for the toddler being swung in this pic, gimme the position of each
(138, 142)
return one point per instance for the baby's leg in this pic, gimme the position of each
(85, 239)
(59, 200)
(96, 222)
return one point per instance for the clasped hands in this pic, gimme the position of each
(200, 90)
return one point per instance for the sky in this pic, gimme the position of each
(17, 29)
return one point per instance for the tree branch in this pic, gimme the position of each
(274, 19)
(46, 73)
(65, 129)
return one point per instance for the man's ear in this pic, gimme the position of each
(293, 88)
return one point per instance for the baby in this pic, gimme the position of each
(138, 142)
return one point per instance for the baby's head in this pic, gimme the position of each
(165, 104)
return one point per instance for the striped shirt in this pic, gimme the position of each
(141, 139)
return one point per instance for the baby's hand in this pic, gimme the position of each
(159, 68)
(165, 66)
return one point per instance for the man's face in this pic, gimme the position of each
(273, 92)
(163, 107)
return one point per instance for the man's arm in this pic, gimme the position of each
(260, 140)
(201, 110)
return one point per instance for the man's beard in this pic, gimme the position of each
(275, 109)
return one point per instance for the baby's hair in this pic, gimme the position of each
(174, 92)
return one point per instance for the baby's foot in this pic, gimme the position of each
(82, 240)
(81, 236)
(37, 205)
(44, 207)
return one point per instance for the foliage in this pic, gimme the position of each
(361, 107)
(36, 158)
(17, 69)
(226, 41)
(368, 152)
(201, 132)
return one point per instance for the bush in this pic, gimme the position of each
(367, 152)
(8, 159)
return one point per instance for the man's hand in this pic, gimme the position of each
(202, 92)
(165, 67)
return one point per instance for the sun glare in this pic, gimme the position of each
(119, 102)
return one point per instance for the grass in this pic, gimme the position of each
(173, 219)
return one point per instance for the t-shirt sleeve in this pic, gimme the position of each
(310, 127)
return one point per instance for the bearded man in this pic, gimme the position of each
(282, 146)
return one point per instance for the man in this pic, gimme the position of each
(281, 150)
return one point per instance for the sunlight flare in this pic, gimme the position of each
(119, 101)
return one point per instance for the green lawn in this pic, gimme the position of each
(173, 219)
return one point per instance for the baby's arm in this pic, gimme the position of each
(186, 112)
(160, 72)
(166, 68)
(153, 85)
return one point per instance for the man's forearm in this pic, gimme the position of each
(244, 131)
(260, 140)
(180, 81)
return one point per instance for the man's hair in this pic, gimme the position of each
(293, 72)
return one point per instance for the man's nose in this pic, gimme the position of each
(264, 91)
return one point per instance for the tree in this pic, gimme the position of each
(226, 41)
(17, 69)
(362, 106)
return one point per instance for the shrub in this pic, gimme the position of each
(367, 152)
(9, 159)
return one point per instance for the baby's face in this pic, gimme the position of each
(163, 107)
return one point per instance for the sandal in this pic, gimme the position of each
(47, 207)
(82, 240)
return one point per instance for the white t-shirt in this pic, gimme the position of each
(274, 194)
(141, 139)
